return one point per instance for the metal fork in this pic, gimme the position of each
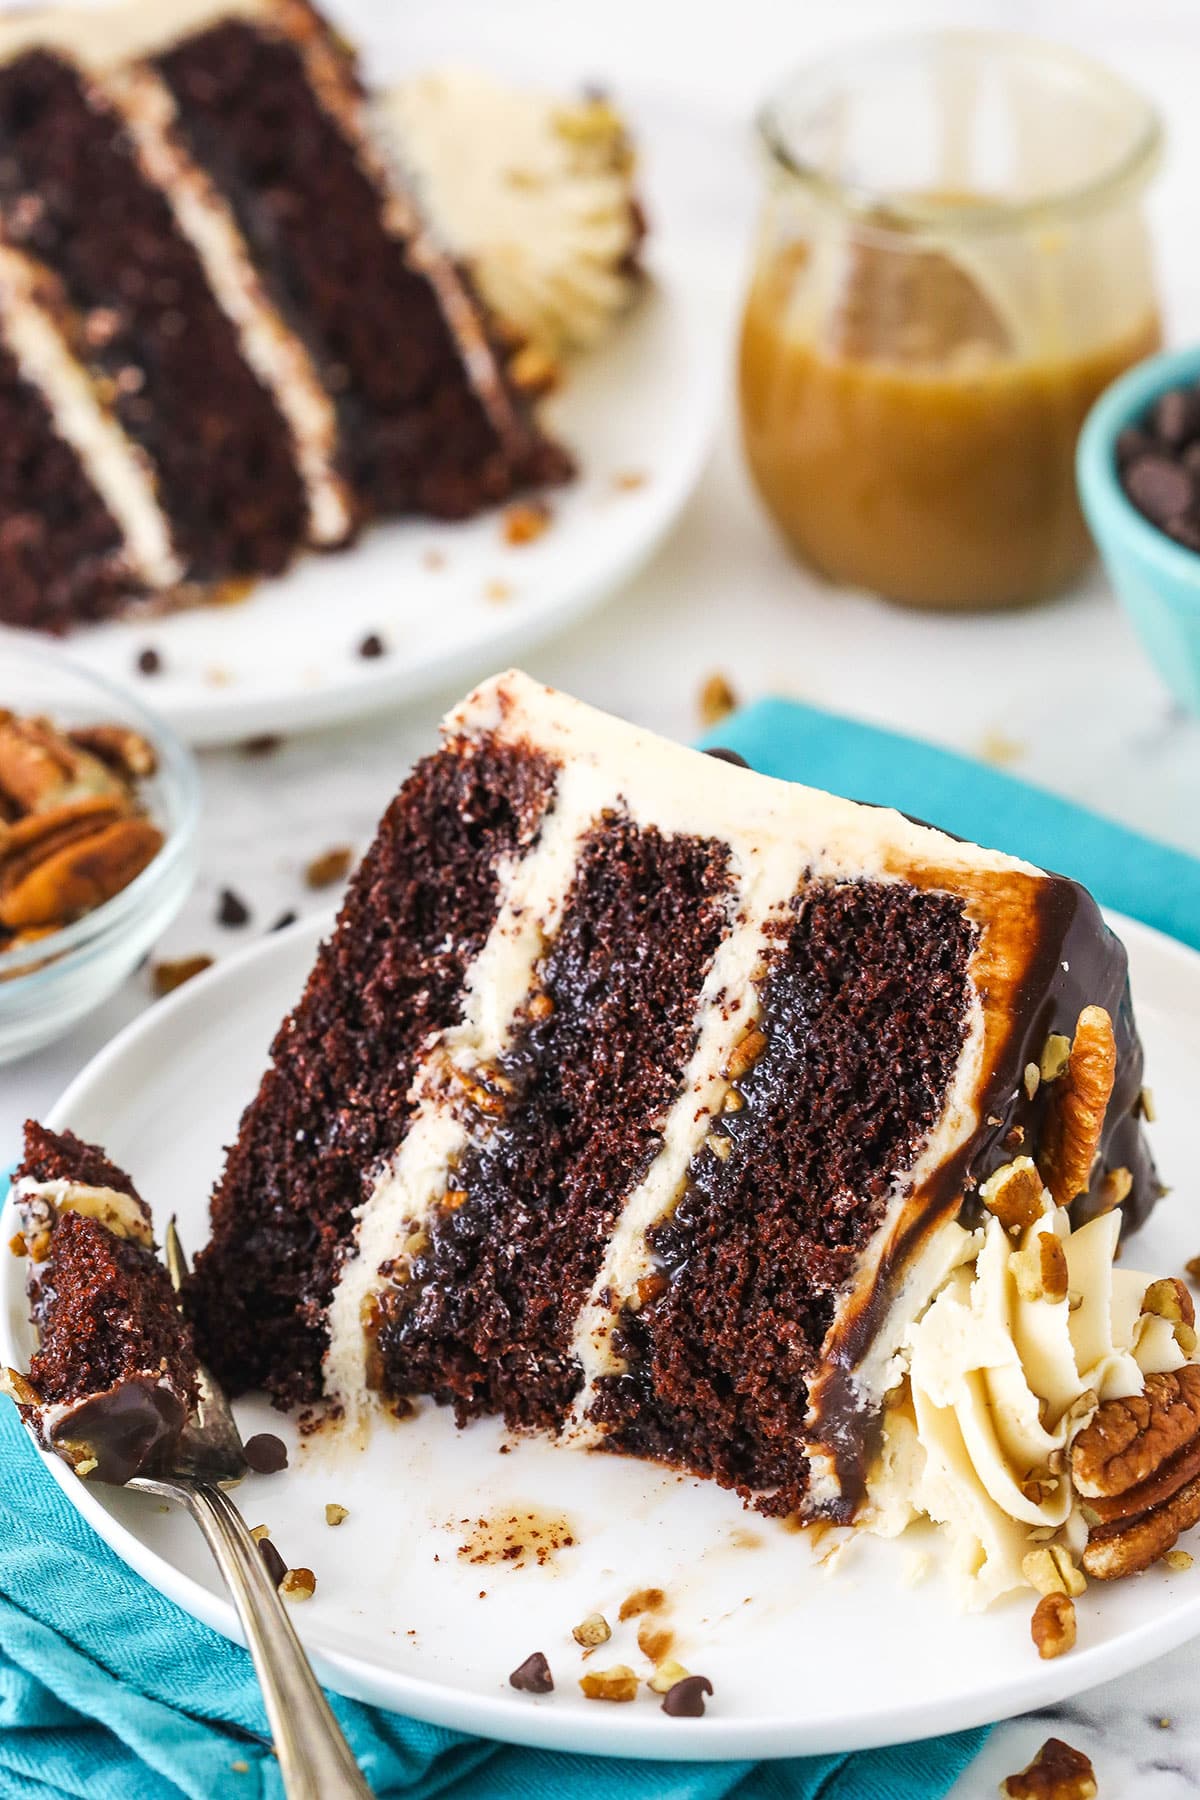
(315, 1760)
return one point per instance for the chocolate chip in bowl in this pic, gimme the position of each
(98, 807)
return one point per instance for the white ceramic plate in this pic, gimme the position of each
(451, 602)
(801, 1658)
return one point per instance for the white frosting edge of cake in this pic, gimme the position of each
(119, 1213)
(117, 468)
(274, 352)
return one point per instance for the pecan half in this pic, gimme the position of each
(1137, 1469)
(118, 747)
(56, 865)
(1079, 1101)
(41, 769)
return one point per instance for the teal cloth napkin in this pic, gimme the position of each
(108, 1691)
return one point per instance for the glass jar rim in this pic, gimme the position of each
(887, 210)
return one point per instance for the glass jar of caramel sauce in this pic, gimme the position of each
(952, 263)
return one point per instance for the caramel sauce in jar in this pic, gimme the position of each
(941, 478)
(953, 261)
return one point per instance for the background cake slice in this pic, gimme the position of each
(113, 1379)
(229, 323)
(639, 1098)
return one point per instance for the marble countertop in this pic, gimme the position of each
(1061, 694)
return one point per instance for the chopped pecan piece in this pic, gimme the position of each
(1014, 1195)
(1137, 1470)
(1075, 1117)
(1053, 1625)
(1057, 1772)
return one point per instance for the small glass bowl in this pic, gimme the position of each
(48, 986)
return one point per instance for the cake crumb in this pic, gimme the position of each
(434, 559)
(334, 1514)
(716, 701)
(628, 481)
(642, 1600)
(1178, 1561)
(498, 592)
(519, 1538)
(239, 1767)
(332, 865)
(169, 975)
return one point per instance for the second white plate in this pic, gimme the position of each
(411, 1609)
(451, 602)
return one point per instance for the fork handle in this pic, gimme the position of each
(315, 1760)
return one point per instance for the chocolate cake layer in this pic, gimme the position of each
(416, 433)
(335, 1101)
(141, 317)
(857, 1052)
(61, 550)
(485, 1320)
(114, 1376)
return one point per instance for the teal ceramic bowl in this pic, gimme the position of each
(1157, 580)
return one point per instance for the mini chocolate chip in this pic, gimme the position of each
(372, 646)
(265, 1453)
(1131, 443)
(285, 918)
(1176, 416)
(149, 661)
(276, 1567)
(533, 1676)
(729, 756)
(232, 909)
(264, 745)
(1159, 488)
(686, 1699)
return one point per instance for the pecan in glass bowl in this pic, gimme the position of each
(98, 808)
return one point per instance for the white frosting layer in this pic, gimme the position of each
(535, 195)
(101, 35)
(774, 831)
(116, 467)
(1000, 1379)
(119, 1213)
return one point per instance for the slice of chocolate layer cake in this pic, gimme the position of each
(113, 1379)
(228, 324)
(643, 1099)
